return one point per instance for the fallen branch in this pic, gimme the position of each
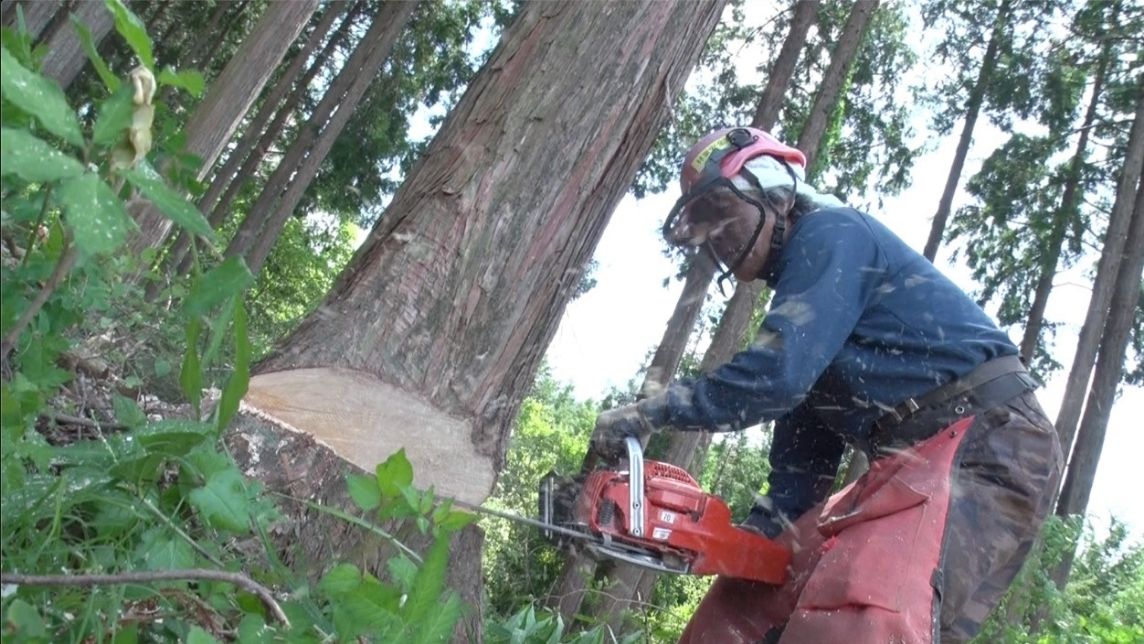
(192, 574)
(68, 419)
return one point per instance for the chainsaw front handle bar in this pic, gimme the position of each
(635, 485)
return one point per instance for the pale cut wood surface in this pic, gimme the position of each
(364, 420)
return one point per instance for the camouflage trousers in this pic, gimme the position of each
(920, 549)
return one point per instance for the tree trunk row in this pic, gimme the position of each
(300, 164)
(215, 119)
(972, 111)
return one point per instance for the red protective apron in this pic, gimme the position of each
(863, 564)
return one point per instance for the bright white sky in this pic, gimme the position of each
(605, 335)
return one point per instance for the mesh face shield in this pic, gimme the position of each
(712, 178)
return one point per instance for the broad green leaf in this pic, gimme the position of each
(236, 385)
(191, 374)
(159, 550)
(33, 159)
(364, 491)
(342, 579)
(127, 411)
(429, 583)
(395, 473)
(170, 202)
(39, 97)
(133, 31)
(373, 606)
(24, 621)
(455, 520)
(170, 443)
(142, 468)
(438, 624)
(114, 118)
(222, 501)
(253, 628)
(187, 79)
(214, 287)
(198, 636)
(94, 213)
(111, 81)
(403, 571)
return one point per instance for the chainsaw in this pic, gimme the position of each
(655, 515)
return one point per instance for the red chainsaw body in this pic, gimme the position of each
(683, 521)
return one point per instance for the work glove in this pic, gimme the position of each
(765, 518)
(615, 425)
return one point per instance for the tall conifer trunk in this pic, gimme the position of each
(1105, 283)
(1066, 213)
(972, 110)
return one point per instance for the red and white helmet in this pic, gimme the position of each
(724, 152)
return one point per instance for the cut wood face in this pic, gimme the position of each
(364, 420)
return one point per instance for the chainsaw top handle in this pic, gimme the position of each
(635, 485)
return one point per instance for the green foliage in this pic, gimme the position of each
(1102, 601)
(552, 433)
(129, 492)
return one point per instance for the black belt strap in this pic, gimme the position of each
(985, 373)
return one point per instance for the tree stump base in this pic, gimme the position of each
(300, 432)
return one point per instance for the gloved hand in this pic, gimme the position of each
(766, 518)
(615, 425)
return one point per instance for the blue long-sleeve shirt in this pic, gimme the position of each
(859, 322)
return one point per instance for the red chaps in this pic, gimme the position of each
(865, 563)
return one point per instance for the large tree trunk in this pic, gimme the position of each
(264, 222)
(65, 57)
(261, 132)
(1064, 216)
(1106, 277)
(229, 98)
(456, 293)
(972, 111)
(633, 584)
(1109, 365)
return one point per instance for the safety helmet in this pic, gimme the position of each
(713, 162)
(724, 152)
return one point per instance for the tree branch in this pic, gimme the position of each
(192, 574)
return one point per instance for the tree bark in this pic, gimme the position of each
(1064, 216)
(251, 149)
(459, 288)
(635, 584)
(1109, 370)
(37, 14)
(229, 98)
(284, 188)
(1106, 278)
(972, 111)
(65, 58)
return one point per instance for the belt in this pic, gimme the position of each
(987, 386)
